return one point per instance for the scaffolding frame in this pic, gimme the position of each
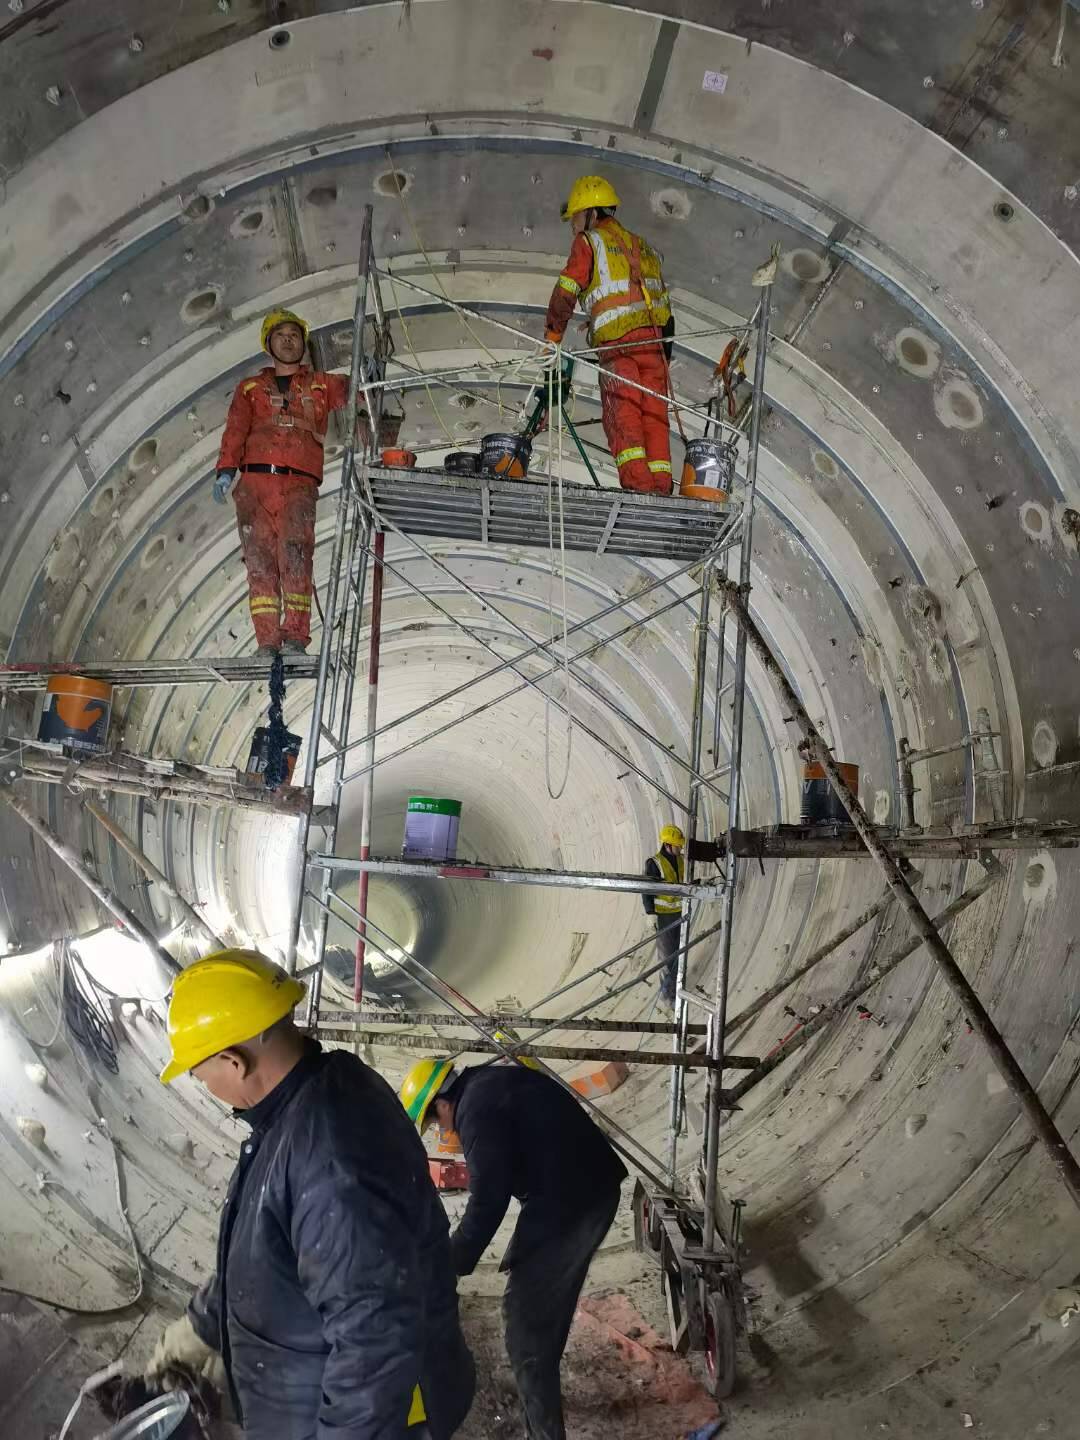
(698, 540)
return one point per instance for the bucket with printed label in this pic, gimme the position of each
(431, 828)
(76, 713)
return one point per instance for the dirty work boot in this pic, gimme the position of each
(266, 652)
(294, 647)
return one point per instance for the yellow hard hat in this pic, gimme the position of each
(587, 193)
(230, 997)
(281, 317)
(672, 835)
(421, 1085)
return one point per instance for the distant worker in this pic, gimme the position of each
(271, 462)
(667, 865)
(334, 1304)
(524, 1135)
(618, 280)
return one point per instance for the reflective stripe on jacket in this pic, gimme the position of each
(673, 874)
(262, 429)
(626, 288)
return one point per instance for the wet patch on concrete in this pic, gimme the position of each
(1044, 744)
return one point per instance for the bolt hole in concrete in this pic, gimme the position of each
(200, 305)
(153, 552)
(804, 265)
(392, 182)
(1004, 211)
(249, 223)
(279, 39)
(141, 606)
(199, 208)
(916, 353)
(322, 196)
(144, 454)
(102, 501)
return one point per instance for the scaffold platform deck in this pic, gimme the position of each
(516, 512)
(200, 670)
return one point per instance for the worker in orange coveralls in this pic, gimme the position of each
(618, 280)
(271, 462)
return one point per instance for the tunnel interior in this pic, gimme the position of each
(915, 568)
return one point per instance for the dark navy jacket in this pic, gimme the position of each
(523, 1135)
(335, 1291)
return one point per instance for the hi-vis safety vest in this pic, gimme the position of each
(673, 874)
(626, 270)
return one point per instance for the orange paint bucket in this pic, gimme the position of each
(708, 470)
(820, 802)
(76, 713)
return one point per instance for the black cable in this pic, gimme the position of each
(86, 1014)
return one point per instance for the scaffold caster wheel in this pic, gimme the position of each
(719, 1343)
(646, 1223)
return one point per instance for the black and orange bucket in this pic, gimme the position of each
(76, 713)
(506, 455)
(259, 755)
(820, 802)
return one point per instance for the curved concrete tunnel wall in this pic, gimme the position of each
(915, 560)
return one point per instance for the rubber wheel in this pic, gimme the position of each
(719, 1343)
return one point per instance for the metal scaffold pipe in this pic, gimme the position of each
(992, 873)
(147, 866)
(345, 500)
(102, 893)
(395, 1040)
(714, 1098)
(815, 748)
(697, 725)
(374, 651)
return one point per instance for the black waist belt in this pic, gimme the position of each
(278, 470)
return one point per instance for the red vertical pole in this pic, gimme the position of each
(375, 646)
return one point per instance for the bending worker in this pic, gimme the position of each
(667, 864)
(271, 462)
(333, 1307)
(523, 1135)
(616, 276)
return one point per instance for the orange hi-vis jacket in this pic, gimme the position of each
(618, 279)
(265, 427)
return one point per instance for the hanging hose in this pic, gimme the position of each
(555, 398)
(276, 767)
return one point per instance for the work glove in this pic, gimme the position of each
(223, 485)
(179, 1345)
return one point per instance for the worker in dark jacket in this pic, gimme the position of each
(667, 864)
(334, 1304)
(524, 1136)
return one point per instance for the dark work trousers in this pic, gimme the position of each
(538, 1309)
(667, 949)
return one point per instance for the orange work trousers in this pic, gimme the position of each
(636, 424)
(276, 518)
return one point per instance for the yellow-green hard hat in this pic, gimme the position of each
(225, 999)
(421, 1085)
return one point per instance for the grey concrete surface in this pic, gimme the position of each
(916, 559)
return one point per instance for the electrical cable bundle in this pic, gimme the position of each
(86, 1013)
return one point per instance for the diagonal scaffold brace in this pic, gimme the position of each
(815, 749)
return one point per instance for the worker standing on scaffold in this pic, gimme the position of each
(271, 462)
(617, 278)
